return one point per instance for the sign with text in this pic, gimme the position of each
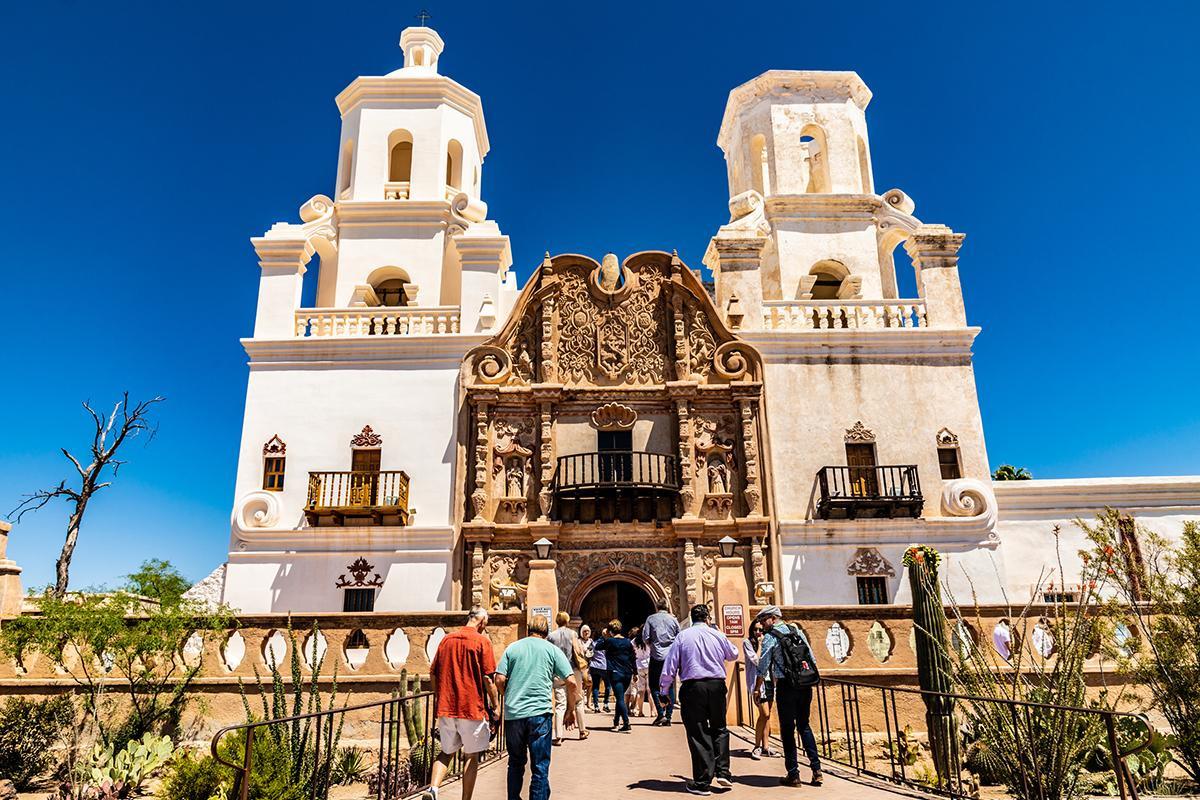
(545, 611)
(733, 619)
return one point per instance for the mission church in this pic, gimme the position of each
(431, 435)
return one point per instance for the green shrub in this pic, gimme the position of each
(29, 729)
(349, 766)
(196, 777)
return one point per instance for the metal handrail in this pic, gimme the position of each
(391, 716)
(881, 482)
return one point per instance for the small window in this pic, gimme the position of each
(1057, 597)
(948, 463)
(614, 441)
(273, 473)
(872, 590)
(358, 600)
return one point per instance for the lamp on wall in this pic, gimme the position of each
(727, 545)
(542, 547)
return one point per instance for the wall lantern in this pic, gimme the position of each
(542, 547)
(727, 545)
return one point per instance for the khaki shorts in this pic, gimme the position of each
(469, 735)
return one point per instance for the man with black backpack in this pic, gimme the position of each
(787, 666)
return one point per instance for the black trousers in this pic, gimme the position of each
(702, 706)
(793, 703)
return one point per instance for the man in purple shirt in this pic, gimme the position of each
(698, 657)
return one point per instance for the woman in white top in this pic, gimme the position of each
(641, 652)
(762, 700)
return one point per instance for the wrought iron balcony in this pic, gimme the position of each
(616, 487)
(334, 497)
(851, 492)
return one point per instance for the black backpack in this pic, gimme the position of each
(799, 666)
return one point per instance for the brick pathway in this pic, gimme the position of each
(653, 762)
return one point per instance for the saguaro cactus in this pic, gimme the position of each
(933, 657)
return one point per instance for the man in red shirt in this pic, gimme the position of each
(464, 692)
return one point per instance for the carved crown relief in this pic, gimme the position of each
(859, 433)
(869, 561)
(275, 447)
(366, 438)
(945, 438)
(614, 416)
(645, 321)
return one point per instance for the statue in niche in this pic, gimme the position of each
(515, 477)
(718, 475)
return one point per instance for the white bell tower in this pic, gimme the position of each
(804, 222)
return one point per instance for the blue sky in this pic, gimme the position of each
(144, 143)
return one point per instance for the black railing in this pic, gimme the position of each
(402, 745)
(869, 491)
(869, 728)
(618, 486)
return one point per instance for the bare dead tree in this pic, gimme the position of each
(126, 422)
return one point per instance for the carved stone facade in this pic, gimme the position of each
(629, 349)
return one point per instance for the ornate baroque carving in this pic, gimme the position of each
(614, 416)
(752, 493)
(366, 438)
(575, 566)
(477, 574)
(275, 447)
(546, 436)
(945, 438)
(359, 570)
(509, 579)
(859, 433)
(479, 494)
(869, 561)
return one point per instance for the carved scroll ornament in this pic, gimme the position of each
(614, 416)
(859, 433)
(366, 438)
(275, 447)
(869, 561)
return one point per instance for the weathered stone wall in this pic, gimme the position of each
(217, 695)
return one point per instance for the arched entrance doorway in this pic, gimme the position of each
(616, 599)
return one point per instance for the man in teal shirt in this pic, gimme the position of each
(526, 674)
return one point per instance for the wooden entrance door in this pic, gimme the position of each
(861, 460)
(364, 477)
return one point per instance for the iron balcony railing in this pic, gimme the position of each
(632, 470)
(377, 494)
(887, 490)
(399, 759)
(620, 486)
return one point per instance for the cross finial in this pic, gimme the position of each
(423, 16)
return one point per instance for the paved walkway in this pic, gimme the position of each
(653, 762)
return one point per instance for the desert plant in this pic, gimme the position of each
(309, 766)
(1037, 743)
(349, 766)
(196, 777)
(110, 773)
(1007, 472)
(29, 729)
(1154, 587)
(906, 749)
(934, 671)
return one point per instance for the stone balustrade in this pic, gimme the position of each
(377, 321)
(804, 315)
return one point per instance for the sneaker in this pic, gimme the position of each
(658, 721)
(607, 710)
(697, 788)
(626, 728)
(756, 753)
(791, 780)
(722, 783)
(817, 778)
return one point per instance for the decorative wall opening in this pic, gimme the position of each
(616, 599)
(454, 163)
(815, 160)
(400, 149)
(760, 179)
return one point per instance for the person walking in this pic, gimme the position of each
(465, 696)
(786, 661)
(598, 668)
(567, 640)
(762, 703)
(622, 666)
(587, 648)
(658, 632)
(641, 681)
(698, 657)
(525, 675)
